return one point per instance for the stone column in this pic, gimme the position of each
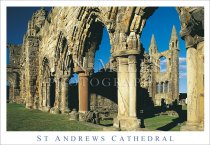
(64, 94)
(44, 95)
(200, 82)
(132, 85)
(123, 87)
(40, 95)
(192, 85)
(126, 118)
(192, 98)
(83, 92)
(57, 94)
(48, 94)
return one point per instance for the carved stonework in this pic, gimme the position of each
(64, 42)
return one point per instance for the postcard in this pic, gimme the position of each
(104, 72)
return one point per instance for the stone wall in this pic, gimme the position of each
(13, 73)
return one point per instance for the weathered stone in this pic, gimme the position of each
(55, 110)
(64, 42)
(74, 115)
(192, 31)
(165, 84)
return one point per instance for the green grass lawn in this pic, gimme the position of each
(22, 119)
(163, 122)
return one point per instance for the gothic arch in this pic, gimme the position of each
(63, 55)
(88, 36)
(14, 92)
(11, 95)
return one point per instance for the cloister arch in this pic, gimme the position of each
(90, 40)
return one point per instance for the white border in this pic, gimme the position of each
(21, 137)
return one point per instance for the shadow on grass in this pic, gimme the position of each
(182, 118)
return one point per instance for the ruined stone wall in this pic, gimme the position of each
(66, 37)
(13, 73)
(69, 36)
(162, 86)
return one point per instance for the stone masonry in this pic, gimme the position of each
(64, 41)
(162, 86)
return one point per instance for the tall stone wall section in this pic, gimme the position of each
(13, 73)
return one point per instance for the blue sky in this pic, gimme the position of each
(160, 24)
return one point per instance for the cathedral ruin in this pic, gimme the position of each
(64, 41)
(162, 85)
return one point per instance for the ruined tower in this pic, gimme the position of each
(174, 47)
(164, 85)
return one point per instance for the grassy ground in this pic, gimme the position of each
(163, 123)
(21, 119)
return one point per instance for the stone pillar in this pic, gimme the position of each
(126, 118)
(192, 85)
(200, 83)
(64, 94)
(132, 85)
(57, 93)
(40, 96)
(83, 92)
(48, 94)
(46, 97)
(44, 94)
(123, 87)
(192, 95)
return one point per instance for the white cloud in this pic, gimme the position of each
(182, 67)
(183, 75)
(182, 59)
(162, 69)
